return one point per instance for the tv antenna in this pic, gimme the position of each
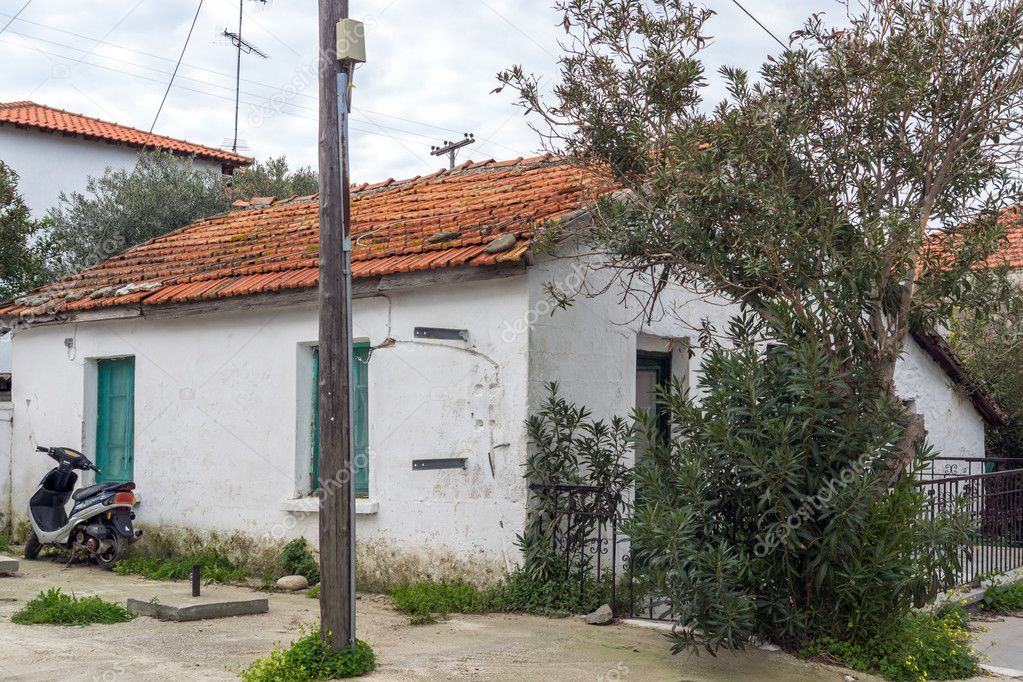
(241, 45)
(451, 148)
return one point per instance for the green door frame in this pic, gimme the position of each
(115, 419)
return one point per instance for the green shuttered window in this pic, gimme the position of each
(360, 414)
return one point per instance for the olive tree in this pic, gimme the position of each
(20, 266)
(844, 193)
(810, 192)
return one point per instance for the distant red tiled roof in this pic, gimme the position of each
(40, 117)
(441, 220)
(941, 245)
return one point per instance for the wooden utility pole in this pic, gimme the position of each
(337, 499)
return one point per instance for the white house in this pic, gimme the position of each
(189, 364)
(55, 151)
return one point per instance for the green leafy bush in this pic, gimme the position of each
(214, 568)
(522, 591)
(309, 659)
(5, 544)
(1003, 598)
(56, 608)
(422, 601)
(925, 647)
(296, 559)
(775, 511)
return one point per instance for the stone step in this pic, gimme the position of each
(8, 566)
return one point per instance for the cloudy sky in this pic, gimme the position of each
(431, 69)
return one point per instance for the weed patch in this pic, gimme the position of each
(927, 647)
(422, 601)
(214, 568)
(1003, 598)
(520, 592)
(56, 608)
(556, 597)
(313, 592)
(296, 559)
(309, 659)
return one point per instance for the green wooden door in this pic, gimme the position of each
(360, 415)
(115, 419)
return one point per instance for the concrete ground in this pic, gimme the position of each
(491, 647)
(1001, 642)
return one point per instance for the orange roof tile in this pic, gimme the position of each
(941, 245)
(442, 220)
(41, 117)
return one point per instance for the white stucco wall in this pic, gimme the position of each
(953, 426)
(6, 435)
(50, 163)
(590, 349)
(222, 405)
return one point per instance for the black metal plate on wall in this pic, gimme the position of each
(445, 463)
(441, 333)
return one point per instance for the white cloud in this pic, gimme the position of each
(430, 63)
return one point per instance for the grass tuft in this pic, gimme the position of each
(214, 568)
(313, 592)
(309, 659)
(56, 608)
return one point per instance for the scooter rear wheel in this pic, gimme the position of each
(112, 555)
(32, 546)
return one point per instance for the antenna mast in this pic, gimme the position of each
(241, 45)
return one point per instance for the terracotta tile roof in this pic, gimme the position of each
(41, 117)
(446, 219)
(940, 245)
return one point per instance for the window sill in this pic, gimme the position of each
(311, 505)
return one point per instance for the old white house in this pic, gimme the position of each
(189, 363)
(55, 151)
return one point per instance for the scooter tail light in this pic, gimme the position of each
(124, 498)
(128, 486)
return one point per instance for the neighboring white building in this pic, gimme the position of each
(189, 364)
(55, 151)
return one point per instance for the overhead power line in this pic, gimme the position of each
(176, 66)
(11, 21)
(757, 22)
(206, 70)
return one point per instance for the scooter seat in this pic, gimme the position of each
(91, 490)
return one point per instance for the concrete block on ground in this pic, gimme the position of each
(213, 603)
(8, 566)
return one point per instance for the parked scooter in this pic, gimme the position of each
(100, 519)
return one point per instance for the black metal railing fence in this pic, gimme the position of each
(581, 525)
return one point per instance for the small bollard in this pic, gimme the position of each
(195, 580)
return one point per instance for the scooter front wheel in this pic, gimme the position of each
(32, 546)
(113, 554)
